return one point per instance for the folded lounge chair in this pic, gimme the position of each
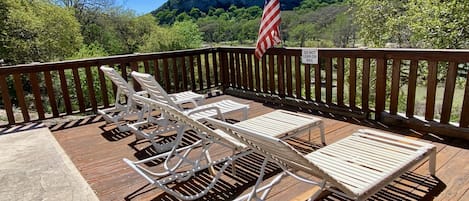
(357, 166)
(181, 156)
(198, 112)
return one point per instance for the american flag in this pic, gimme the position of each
(269, 32)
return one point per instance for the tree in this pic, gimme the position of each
(439, 24)
(303, 32)
(381, 22)
(37, 31)
(182, 35)
(186, 35)
(342, 31)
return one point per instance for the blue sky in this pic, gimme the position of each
(140, 6)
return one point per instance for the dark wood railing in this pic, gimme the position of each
(381, 84)
(73, 87)
(360, 83)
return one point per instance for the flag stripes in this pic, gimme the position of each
(269, 31)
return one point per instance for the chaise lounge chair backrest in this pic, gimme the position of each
(278, 150)
(175, 114)
(116, 78)
(153, 88)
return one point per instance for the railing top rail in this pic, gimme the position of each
(457, 55)
(33, 67)
(355, 49)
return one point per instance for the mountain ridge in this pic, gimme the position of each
(205, 5)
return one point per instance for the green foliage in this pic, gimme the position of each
(37, 31)
(413, 23)
(439, 24)
(90, 51)
(381, 22)
(315, 4)
(183, 35)
(302, 32)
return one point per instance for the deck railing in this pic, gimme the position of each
(421, 89)
(75, 87)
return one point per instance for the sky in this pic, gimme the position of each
(140, 6)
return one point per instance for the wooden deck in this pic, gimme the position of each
(97, 151)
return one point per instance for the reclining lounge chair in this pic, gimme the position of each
(193, 158)
(197, 112)
(357, 166)
(121, 111)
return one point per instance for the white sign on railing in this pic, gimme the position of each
(309, 56)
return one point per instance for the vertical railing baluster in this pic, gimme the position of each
(412, 87)
(103, 87)
(380, 87)
(281, 74)
(175, 75)
(328, 66)
(50, 93)
(78, 89)
(298, 77)
(257, 74)
(146, 66)
(37, 95)
(308, 82)
(271, 73)
(6, 100)
(464, 121)
(215, 67)
(396, 77)
(249, 69)
(92, 95)
(449, 93)
(340, 81)
(233, 77)
(244, 71)
(20, 96)
(167, 83)
(289, 76)
(65, 93)
(265, 84)
(207, 71)
(366, 85)
(353, 83)
(156, 69)
(184, 73)
(192, 72)
(199, 72)
(432, 83)
(317, 82)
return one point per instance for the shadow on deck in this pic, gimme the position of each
(97, 151)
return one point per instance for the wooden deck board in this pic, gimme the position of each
(97, 151)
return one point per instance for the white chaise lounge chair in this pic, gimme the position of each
(192, 158)
(197, 112)
(124, 91)
(357, 166)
